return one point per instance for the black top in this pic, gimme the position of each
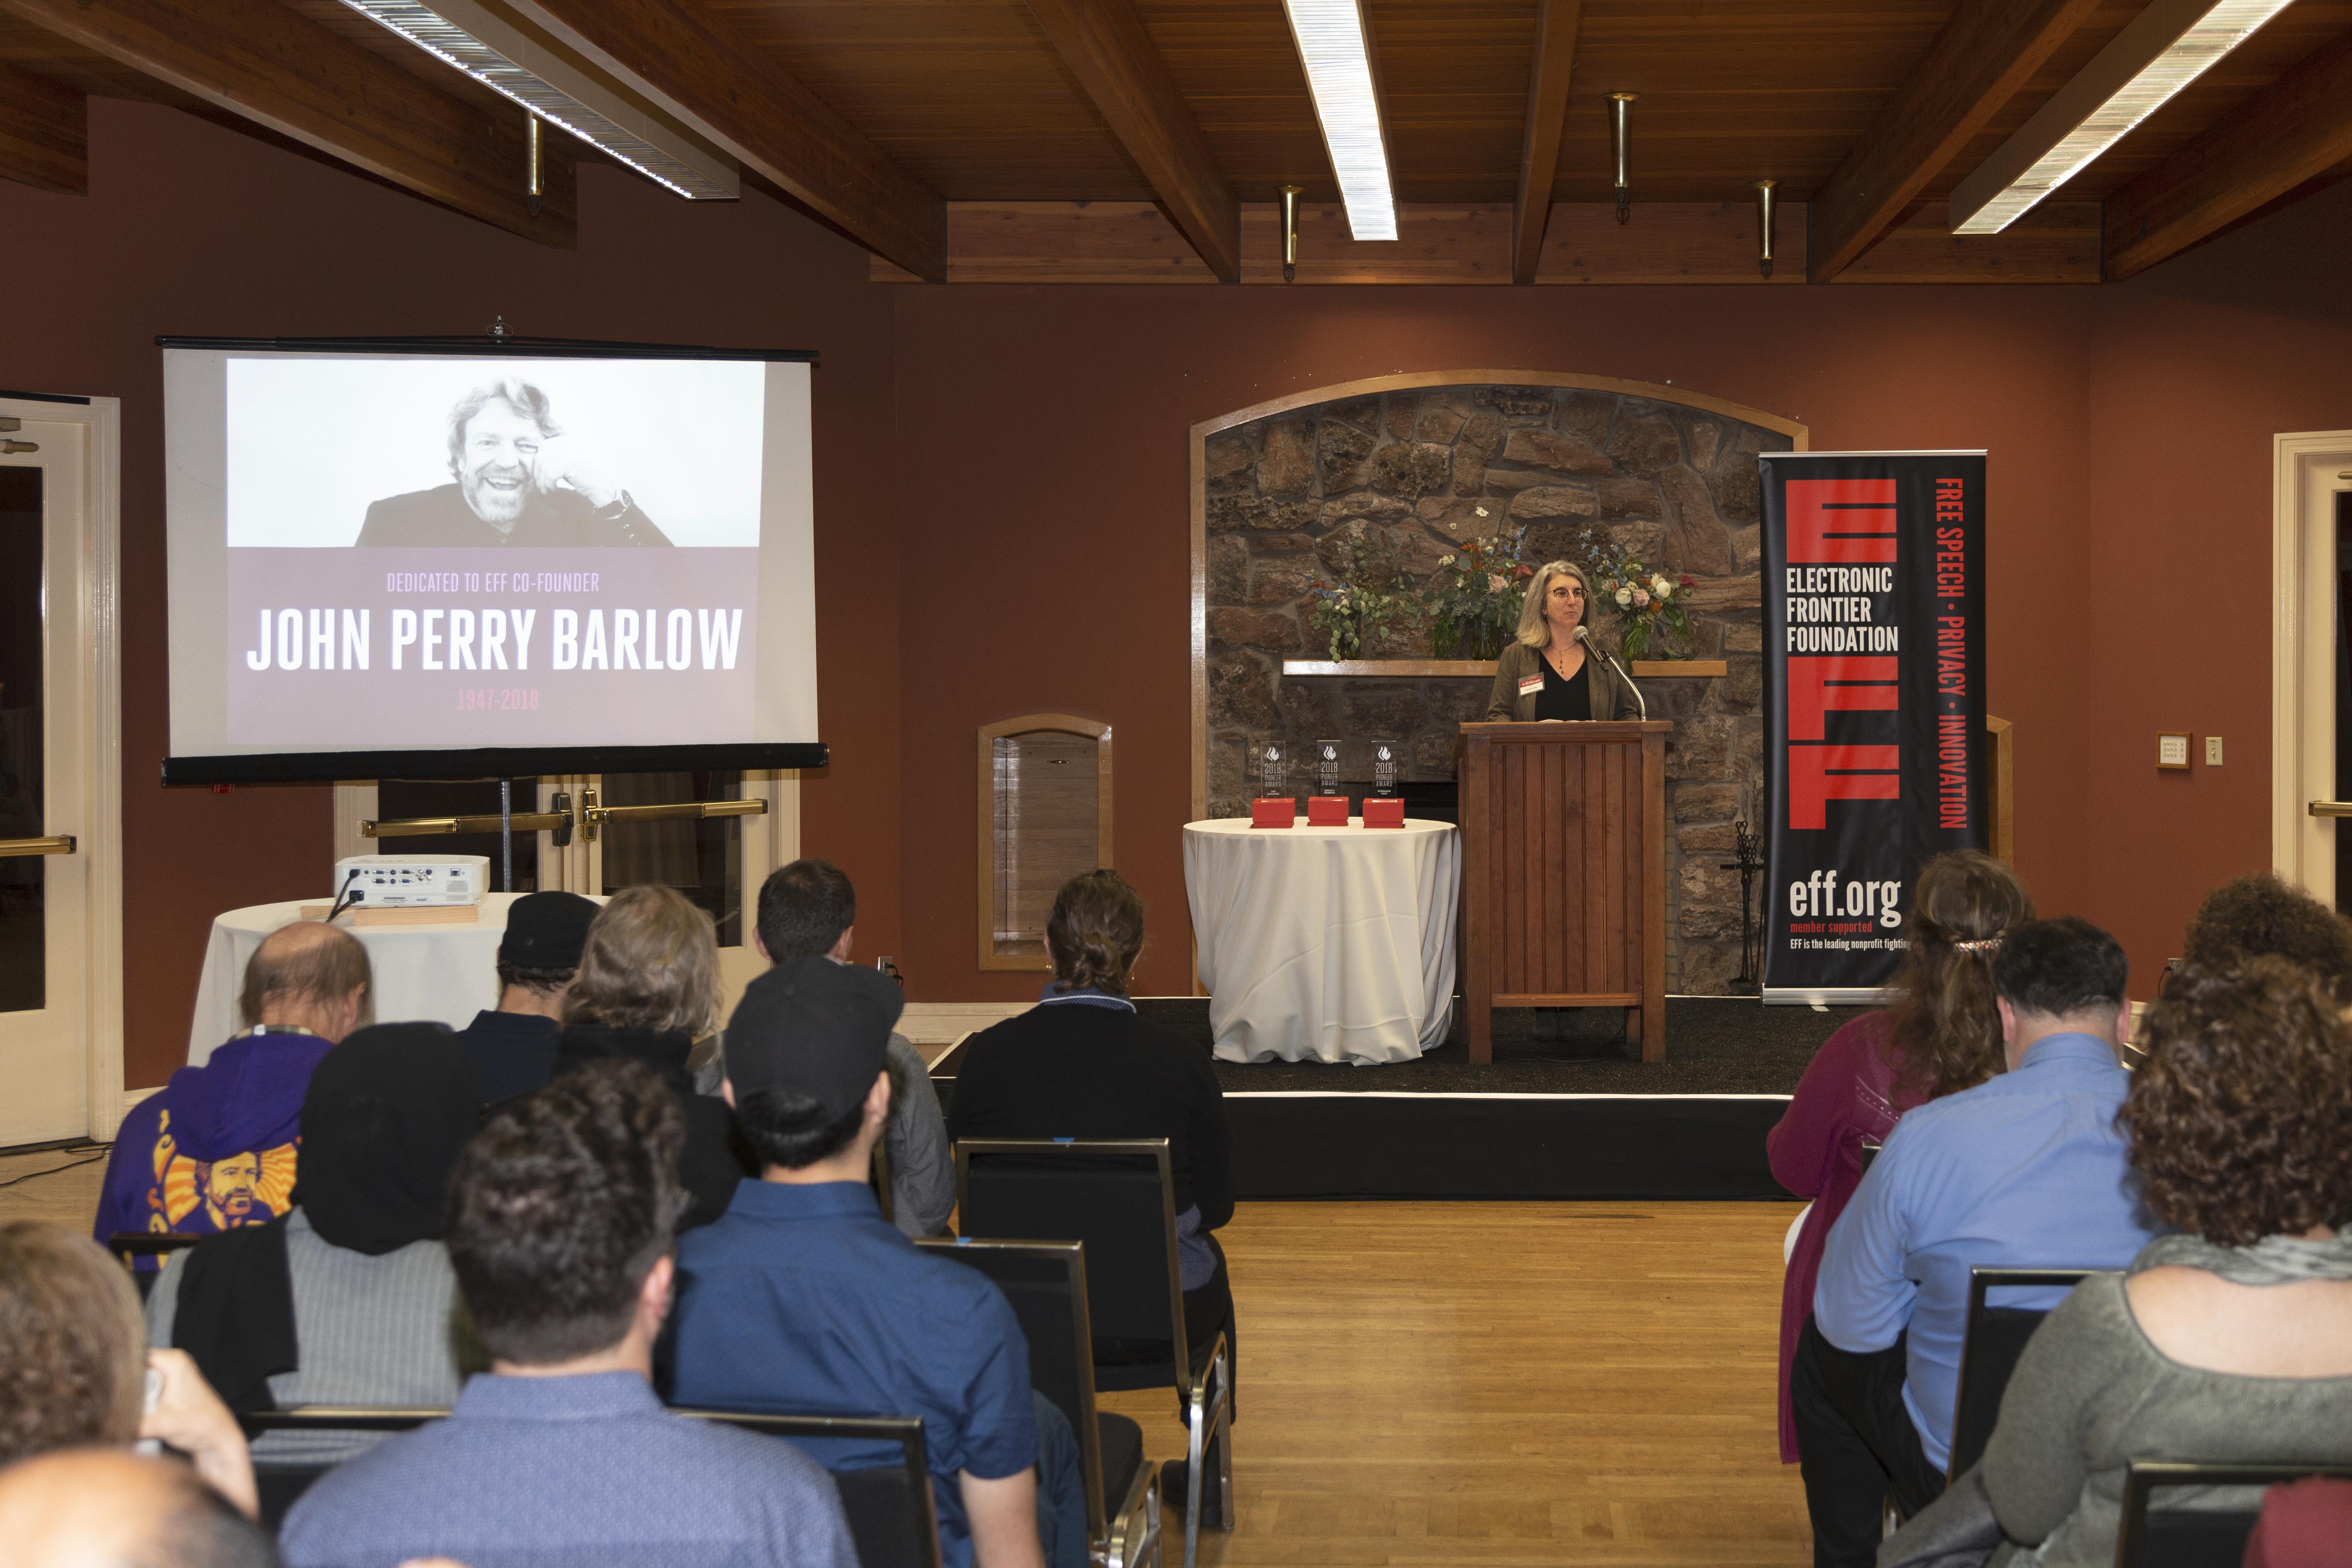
(1565, 698)
(714, 1159)
(1074, 1070)
(441, 517)
(512, 1052)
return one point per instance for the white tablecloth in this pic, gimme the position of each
(1324, 943)
(447, 973)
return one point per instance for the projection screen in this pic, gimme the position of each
(486, 556)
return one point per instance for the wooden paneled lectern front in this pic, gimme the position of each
(1564, 872)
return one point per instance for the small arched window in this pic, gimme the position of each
(1045, 817)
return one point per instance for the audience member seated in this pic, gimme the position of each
(74, 1369)
(803, 1299)
(2304, 1524)
(2025, 1169)
(100, 1508)
(561, 1220)
(648, 989)
(513, 1047)
(1080, 1064)
(215, 1148)
(2231, 1341)
(1942, 1034)
(2255, 915)
(349, 1299)
(809, 908)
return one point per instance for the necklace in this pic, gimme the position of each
(1558, 658)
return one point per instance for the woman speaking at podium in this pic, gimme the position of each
(1547, 673)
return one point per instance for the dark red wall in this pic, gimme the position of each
(192, 229)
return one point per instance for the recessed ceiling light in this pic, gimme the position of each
(2166, 47)
(503, 58)
(1336, 46)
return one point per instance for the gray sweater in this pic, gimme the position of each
(2092, 1394)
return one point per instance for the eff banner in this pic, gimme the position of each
(1873, 683)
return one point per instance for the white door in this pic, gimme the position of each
(2311, 762)
(61, 1040)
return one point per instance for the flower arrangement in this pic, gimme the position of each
(1648, 602)
(1473, 598)
(1364, 601)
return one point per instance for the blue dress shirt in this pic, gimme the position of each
(589, 1471)
(2028, 1170)
(803, 1298)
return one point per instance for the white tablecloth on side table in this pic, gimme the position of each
(447, 973)
(1324, 943)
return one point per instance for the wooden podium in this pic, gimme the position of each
(1564, 872)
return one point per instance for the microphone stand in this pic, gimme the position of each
(1585, 637)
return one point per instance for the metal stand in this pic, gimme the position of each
(506, 830)
(1747, 859)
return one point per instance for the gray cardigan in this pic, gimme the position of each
(1610, 697)
(2092, 1394)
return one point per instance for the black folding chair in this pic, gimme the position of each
(1117, 1195)
(1046, 1281)
(892, 1517)
(892, 1520)
(2213, 1536)
(1991, 1339)
(129, 1246)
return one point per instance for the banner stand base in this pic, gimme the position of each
(1827, 995)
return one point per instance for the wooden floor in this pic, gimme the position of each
(1504, 1383)
(1478, 1384)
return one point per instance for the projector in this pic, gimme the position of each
(410, 881)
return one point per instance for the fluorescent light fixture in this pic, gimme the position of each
(2167, 47)
(1336, 46)
(499, 54)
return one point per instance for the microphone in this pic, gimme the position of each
(1585, 636)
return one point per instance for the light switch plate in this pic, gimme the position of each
(2212, 751)
(2172, 748)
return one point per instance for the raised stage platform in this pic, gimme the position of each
(1577, 1116)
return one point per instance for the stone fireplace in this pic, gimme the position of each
(1291, 494)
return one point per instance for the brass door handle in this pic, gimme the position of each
(55, 844)
(558, 822)
(695, 810)
(2331, 808)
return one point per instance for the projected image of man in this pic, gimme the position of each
(515, 481)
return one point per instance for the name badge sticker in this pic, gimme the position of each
(1531, 684)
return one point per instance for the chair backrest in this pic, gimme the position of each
(892, 1516)
(1117, 1195)
(129, 1246)
(1992, 1338)
(1870, 1151)
(2154, 1537)
(1046, 1281)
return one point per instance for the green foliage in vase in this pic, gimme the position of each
(1648, 604)
(1366, 601)
(1473, 598)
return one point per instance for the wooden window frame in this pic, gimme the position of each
(986, 843)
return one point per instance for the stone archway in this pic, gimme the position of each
(1434, 458)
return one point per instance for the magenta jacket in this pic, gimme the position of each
(1847, 1096)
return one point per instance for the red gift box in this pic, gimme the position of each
(1326, 811)
(1383, 813)
(1272, 811)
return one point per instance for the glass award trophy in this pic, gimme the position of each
(1384, 769)
(1326, 767)
(1273, 776)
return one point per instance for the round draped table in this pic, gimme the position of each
(447, 973)
(1324, 943)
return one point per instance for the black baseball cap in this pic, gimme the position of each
(547, 930)
(815, 1028)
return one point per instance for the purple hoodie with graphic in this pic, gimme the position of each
(215, 1148)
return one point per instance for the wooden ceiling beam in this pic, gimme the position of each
(695, 66)
(2296, 131)
(44, 132)
(1104, 43)
(263, 62)
(1556, 22)
(1985, 53)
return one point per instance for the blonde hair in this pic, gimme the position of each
(73, 1342)
(1534, 630)
(651, 962)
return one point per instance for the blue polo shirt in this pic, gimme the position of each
(2026, 1169)
(805, 1300)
